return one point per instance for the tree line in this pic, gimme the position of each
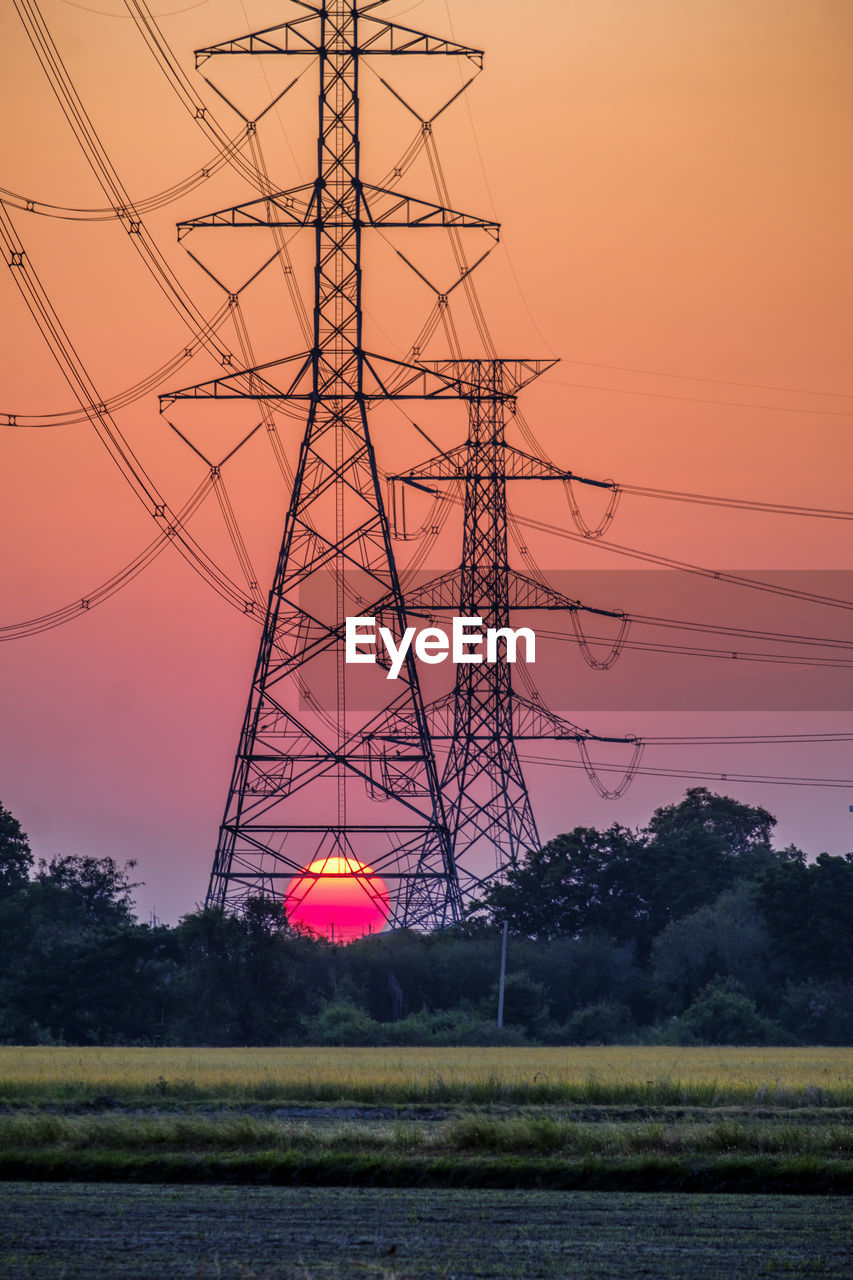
(691, 930)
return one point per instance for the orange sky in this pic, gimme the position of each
(675, 196)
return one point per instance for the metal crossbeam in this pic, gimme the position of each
(305, 36)
(302, 206)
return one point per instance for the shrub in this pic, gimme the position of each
(819, 1012)
(604, 1023)
(341, 1023)
(723, 1014)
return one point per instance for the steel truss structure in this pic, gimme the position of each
(481, 720)
(307, 789)
(312, 795)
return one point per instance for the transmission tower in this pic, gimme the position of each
(309, 791)
(484, 717)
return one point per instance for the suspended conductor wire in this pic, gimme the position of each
(87, 137)
(283, 245)
(721, 502)
(652, 620)
(77, 377)
(107, 176)
(581, 524)
(683, 566)
(171, 68)
(585, 531)
(723, 382)
(618, 488)
(130, 395)
(696, 774)
(108, 213)
(725, 655)
(655, 373)
(593, 771)
(99, 162)
(103, 13)
(724, 404)
(115, 583)
(728, 503)
(747, 739)
(124, 398)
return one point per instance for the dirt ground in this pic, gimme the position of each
(65, 1231)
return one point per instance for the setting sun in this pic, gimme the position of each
(338, 898)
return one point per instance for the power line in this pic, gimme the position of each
(683, 566)
(697, 774)
(718, 500)
(140, 562)
(747, 739)
(115, 583)
(725, 404)
(130, 395)
(723, 382)
(76, 375)
(726, 655)
(782, 637)
(104, 13)
(109, 213)
(718, 575)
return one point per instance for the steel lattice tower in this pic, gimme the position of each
(484, 717)
(484, 785)
(307, 787)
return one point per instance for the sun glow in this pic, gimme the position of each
(338, 898)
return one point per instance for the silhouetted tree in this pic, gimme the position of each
(629, 886)
(727, 938)
(611, 932)
(696, 849)
(16, 860)
(77, 967)
(246, 979)
(809, 912)
(583, 881)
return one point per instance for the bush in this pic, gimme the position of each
(723, 1014)
(341, 1023)
(524, 1002)
(819, 1012)
(450, 1027)
(604, 1023)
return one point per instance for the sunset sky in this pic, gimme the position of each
(675, 194)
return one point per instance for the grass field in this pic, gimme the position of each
(609, 1075)
(462, 1164)
(794, 1151)
(76, 1232)
(632, 1119)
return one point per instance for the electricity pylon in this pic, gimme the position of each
(491, 818)
(307, 786)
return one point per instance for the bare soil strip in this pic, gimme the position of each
(77, 1231)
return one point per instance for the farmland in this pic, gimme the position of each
(319, 1164)
(74, 1232)
(614, 1118)
(639, 1075)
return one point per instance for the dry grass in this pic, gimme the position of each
(590, 1075)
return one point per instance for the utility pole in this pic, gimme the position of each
(502, 980)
